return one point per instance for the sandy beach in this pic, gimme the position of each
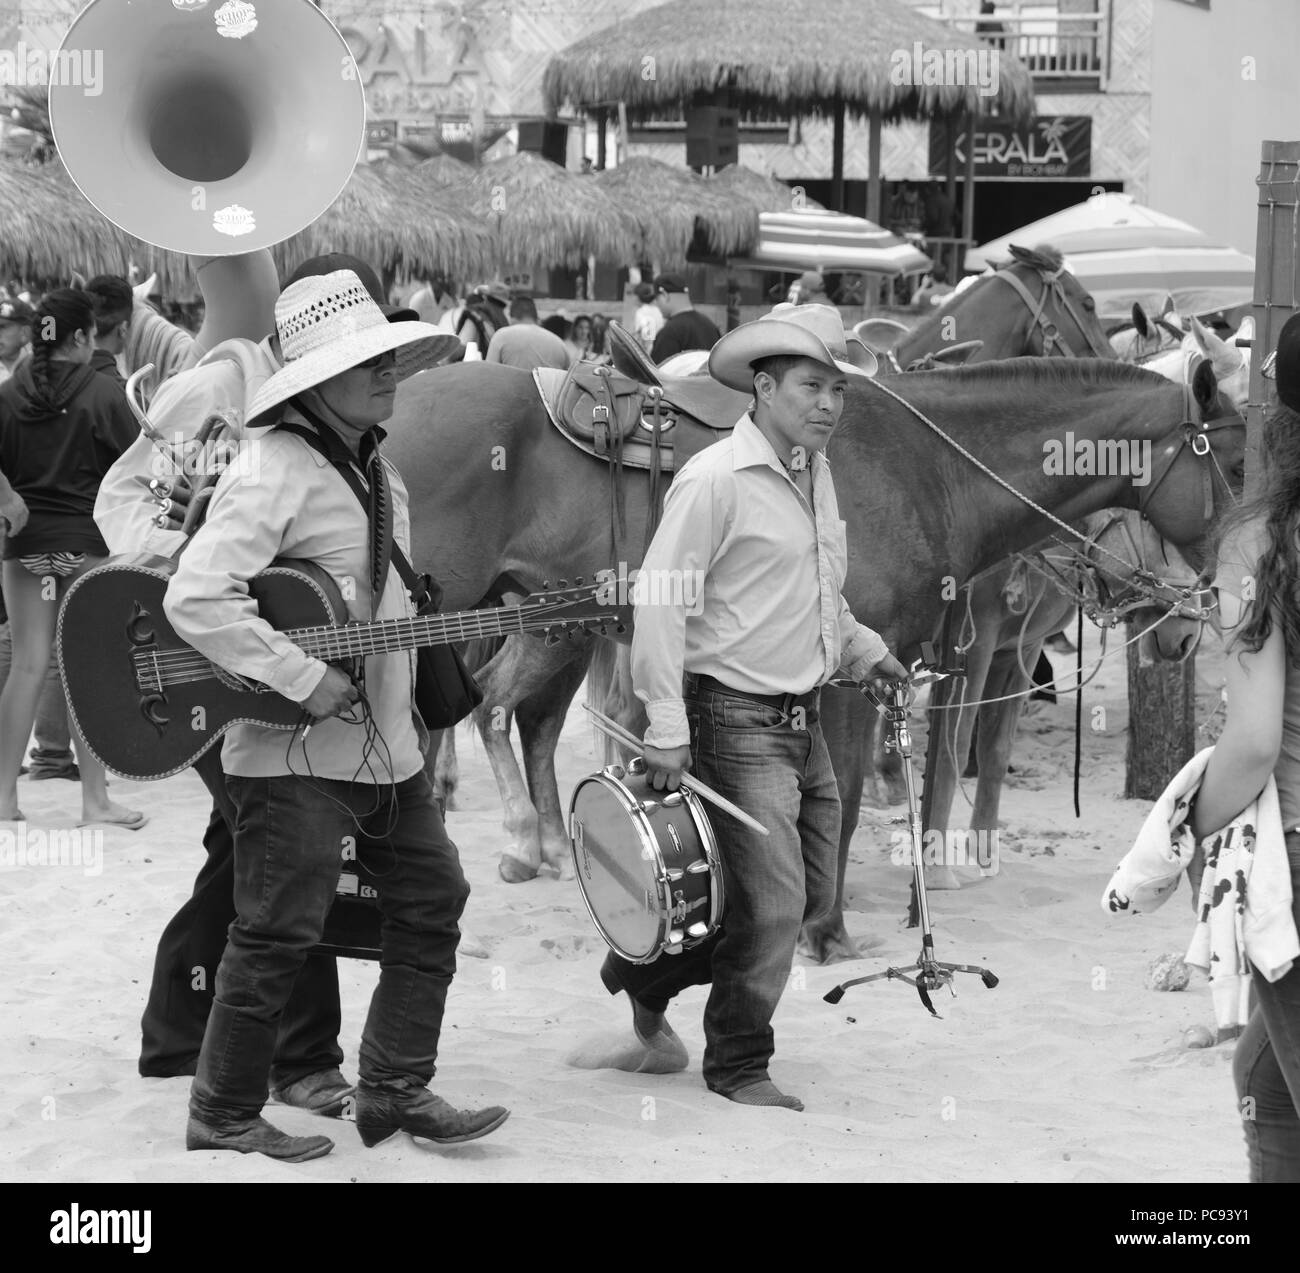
(1070, 1070)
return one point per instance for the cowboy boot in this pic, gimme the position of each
(383, 1111)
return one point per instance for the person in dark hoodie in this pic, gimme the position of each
(114, 304)
(61, 426)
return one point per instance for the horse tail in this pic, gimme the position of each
(609, 690)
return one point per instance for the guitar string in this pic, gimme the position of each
(175, 664)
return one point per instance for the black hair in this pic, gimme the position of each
(558, 324)
(114, 301)
(1274, 588)
(776, 365)
(60, 315)
(523, 307)
(599, 334)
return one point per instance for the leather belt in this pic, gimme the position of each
(784, 702)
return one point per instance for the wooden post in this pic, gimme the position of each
(968, 179)
(602, 122)
(1161, 721)
(873, 159)
(837, 155)
(1277, 278)
(958, 265)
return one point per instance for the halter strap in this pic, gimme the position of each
(1051, 333)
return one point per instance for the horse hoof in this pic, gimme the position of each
(941, 878)
(515, 870)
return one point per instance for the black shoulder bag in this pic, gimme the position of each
(445, 689)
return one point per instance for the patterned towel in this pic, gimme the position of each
(1244, 908)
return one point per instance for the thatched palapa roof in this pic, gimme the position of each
(382, 219)
(666, 202)
(764, 194)
(774, 56)
(538, 211)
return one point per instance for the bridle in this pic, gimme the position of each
(1049, 332)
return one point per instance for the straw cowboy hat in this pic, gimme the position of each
(801, 331)
(330, 323)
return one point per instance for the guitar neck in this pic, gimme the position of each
(388, 636)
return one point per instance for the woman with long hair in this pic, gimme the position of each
(579, 339)
(600, 350)
(1259, 599)
(62, 425)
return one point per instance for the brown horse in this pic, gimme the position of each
(500, 501)
(1040, 308)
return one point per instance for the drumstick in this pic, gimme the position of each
(629, 739)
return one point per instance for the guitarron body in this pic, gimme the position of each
(119, 656)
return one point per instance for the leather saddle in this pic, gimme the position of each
(630, 414)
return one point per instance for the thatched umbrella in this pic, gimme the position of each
(766, 194)
(668, 202)
(541, 212)
(835, 58)
(50, 231)
(381, 220)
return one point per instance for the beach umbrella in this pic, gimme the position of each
(541, 213)
(1123, 252)
(668, 202)
(812, 239)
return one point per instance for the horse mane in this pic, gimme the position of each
(1042, 257)
(1034, 373)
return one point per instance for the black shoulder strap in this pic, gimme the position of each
(416, 585)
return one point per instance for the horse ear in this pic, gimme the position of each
(1205, 388)
(1203, 336)
(1140, 320)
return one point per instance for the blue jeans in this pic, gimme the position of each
(778, 770)
(53, 748)
(291, 835)
(1266, 1065)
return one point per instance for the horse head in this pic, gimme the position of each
(1142, 576)
(1199, 466)
(1031, 305)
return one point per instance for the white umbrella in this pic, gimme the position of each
(810, 239)
(1123, 252)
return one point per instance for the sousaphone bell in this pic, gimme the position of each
(214, 129)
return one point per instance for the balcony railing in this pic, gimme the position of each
(1059, 49)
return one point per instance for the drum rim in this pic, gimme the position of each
(717, 891)
(632, 806)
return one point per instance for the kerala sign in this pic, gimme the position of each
(1052, 148)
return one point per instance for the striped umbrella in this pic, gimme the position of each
(810, 239)
(1123, 252)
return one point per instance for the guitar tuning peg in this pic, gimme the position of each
(546, 585)
(620, 629)
(564, 583)
(577, 583)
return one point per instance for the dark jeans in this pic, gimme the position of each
(291, 835)
(189, 950)
(777, 769)
(1266, 1065)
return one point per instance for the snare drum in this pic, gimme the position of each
(647, 864)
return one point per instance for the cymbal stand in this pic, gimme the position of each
(927, 973)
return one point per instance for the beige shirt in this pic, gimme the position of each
(223, 382)
(742, 582)
(281, 498)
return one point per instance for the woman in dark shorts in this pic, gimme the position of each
(1259, 598)
(62, 425)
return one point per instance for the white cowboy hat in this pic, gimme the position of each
(329, 323)
(801, 331)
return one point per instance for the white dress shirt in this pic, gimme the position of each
(742, 582)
